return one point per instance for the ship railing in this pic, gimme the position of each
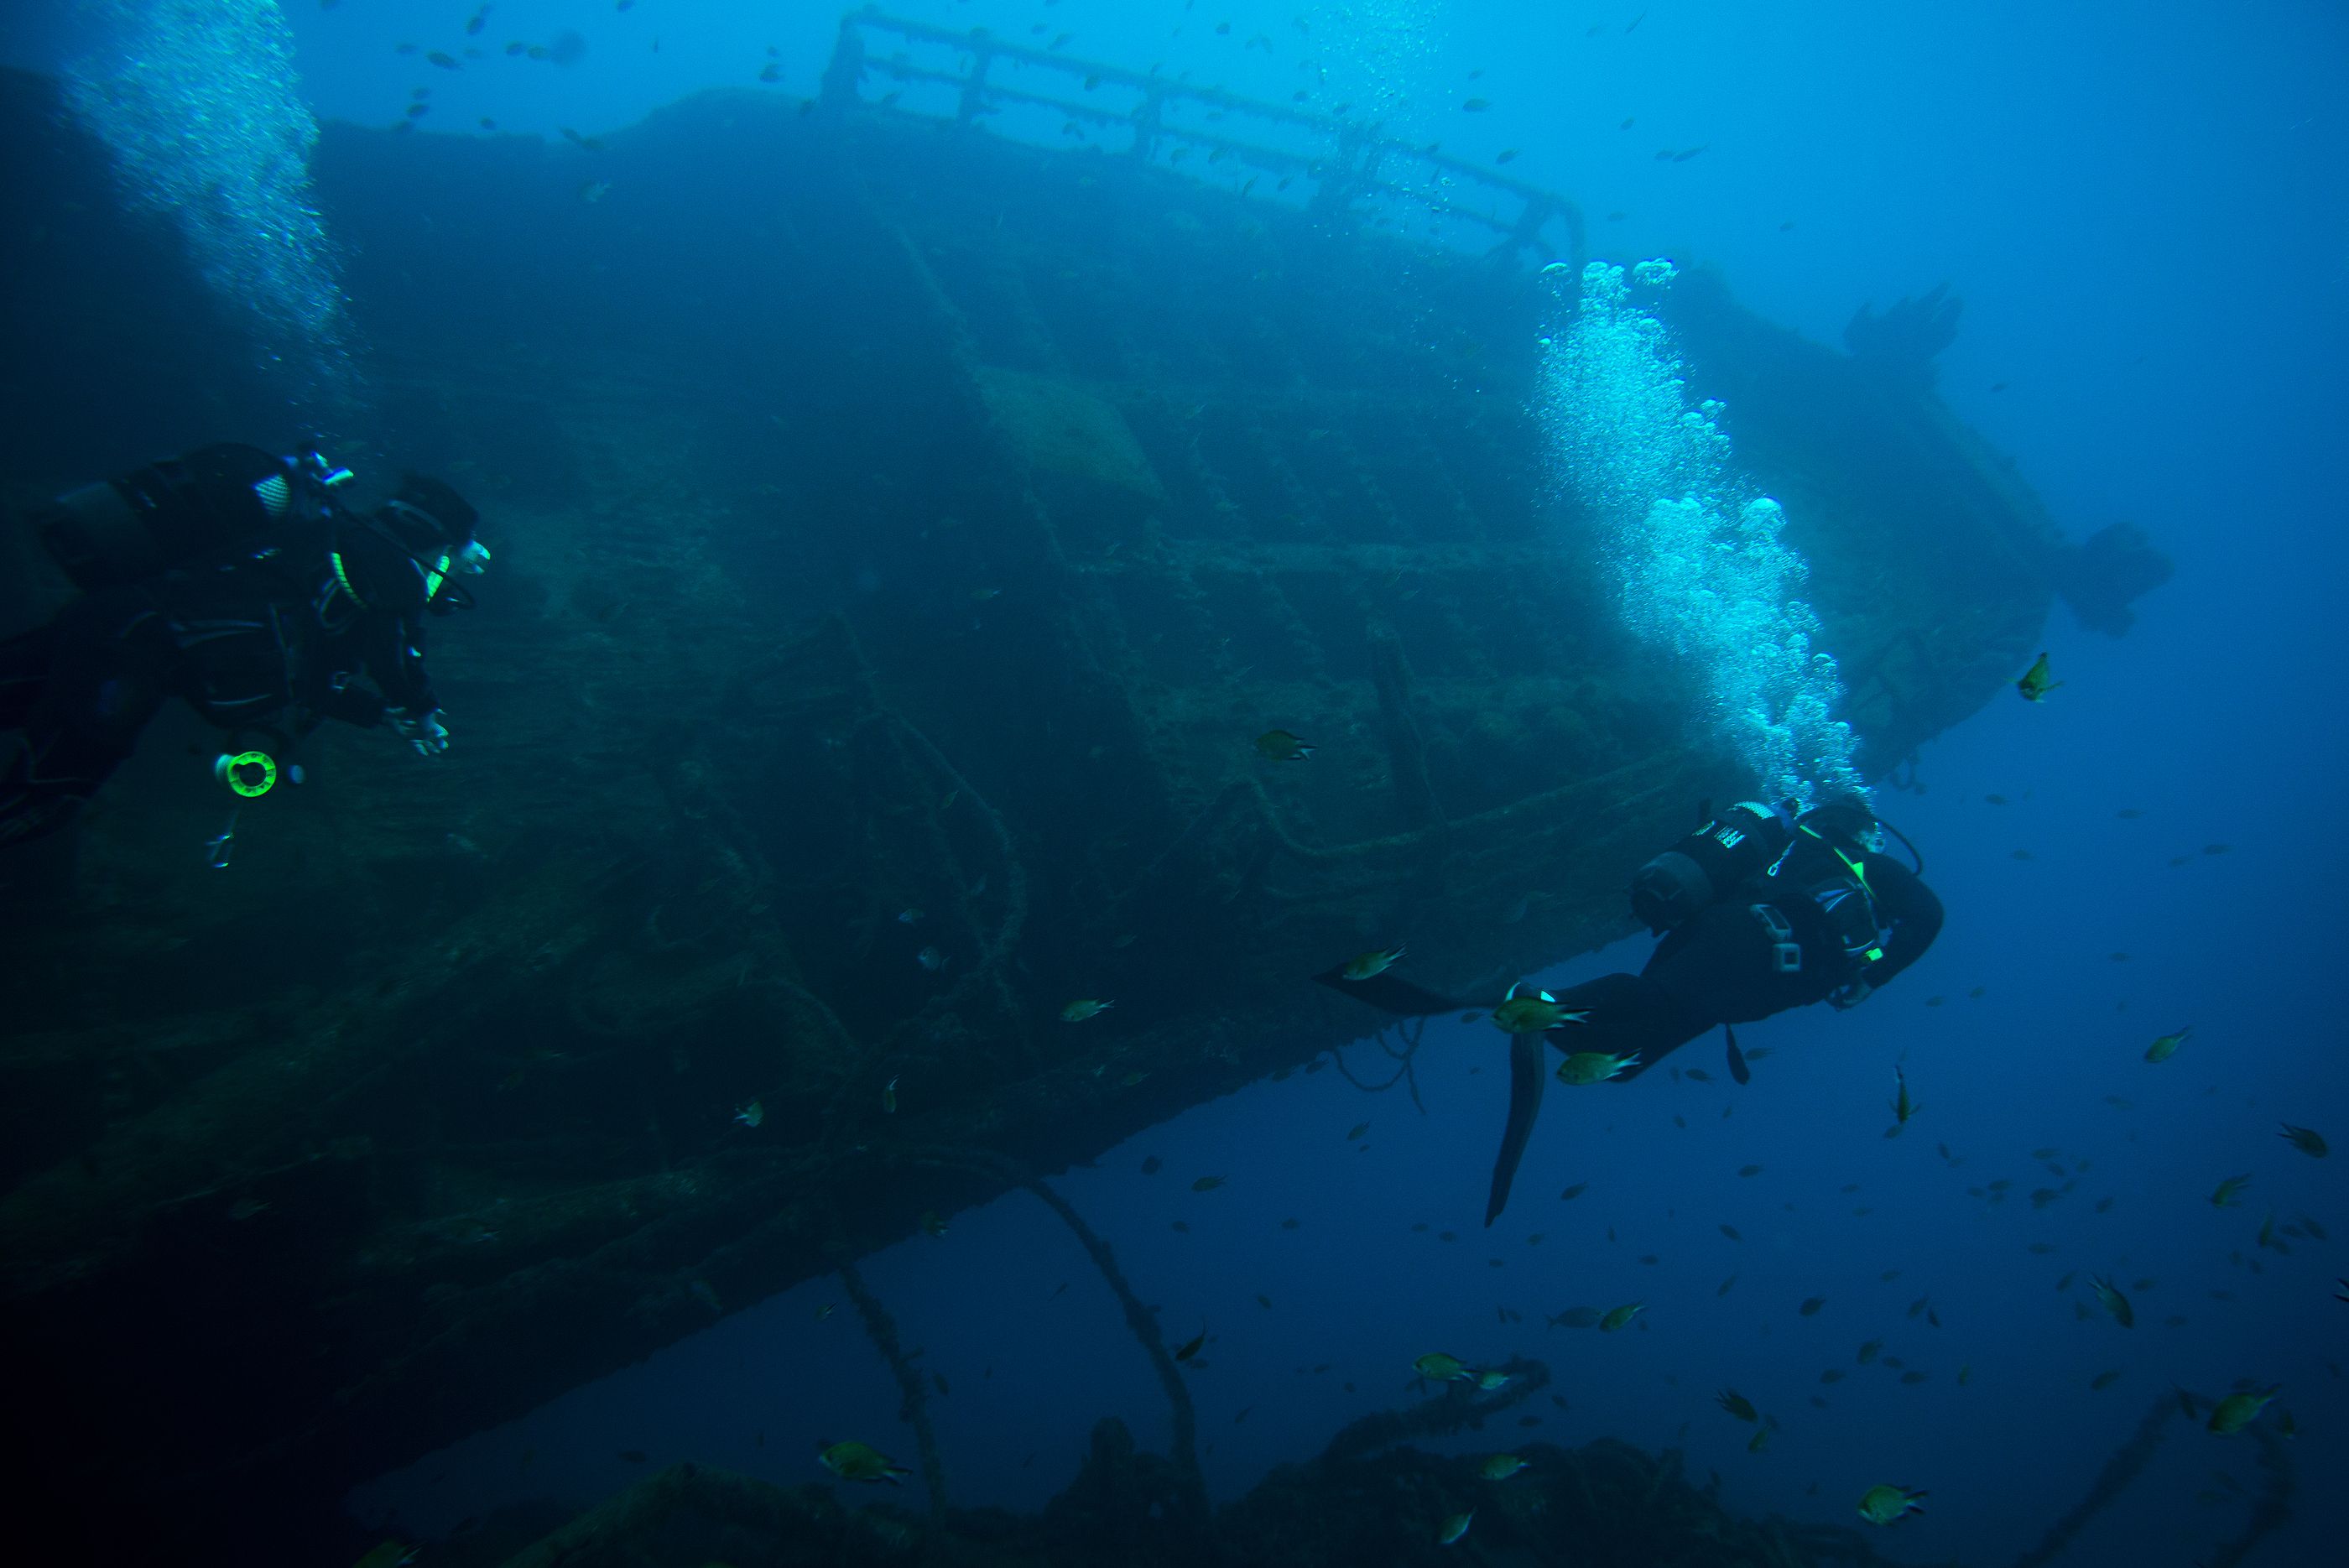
(1342, 170)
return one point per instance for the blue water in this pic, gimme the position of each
(2145, 209)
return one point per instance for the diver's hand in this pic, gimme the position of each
(424, 731)
(1844, 998)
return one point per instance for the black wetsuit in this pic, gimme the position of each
(272, 636)
(1717, 967)
(1721, 966)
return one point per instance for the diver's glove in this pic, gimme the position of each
(423, 731)
(1850, 995)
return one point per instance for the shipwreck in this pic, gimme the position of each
(931, 522)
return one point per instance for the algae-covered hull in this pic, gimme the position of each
(902, 537)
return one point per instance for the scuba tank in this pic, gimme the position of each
(1739, 844)
(213, 501)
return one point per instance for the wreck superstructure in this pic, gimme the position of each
(929, 524)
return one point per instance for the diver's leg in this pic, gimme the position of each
(24, 670)
(105, 679)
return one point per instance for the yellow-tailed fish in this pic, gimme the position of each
(1889, 1504)
(1455, 1528)
(1500, 1466)
(2164, 1048)
(1620, 1316)
(2237, 1411)
(1438, 1367)
(2109, 1297)
(1737, 1405)
(1533, 1014)
(2037, 681)
(2228, 1192)
(1378, 960)
(1280, 746)
(2304, 1141)
(1084, 1007)
(1903, 1107)
(856, 1462)
(1593, 1066)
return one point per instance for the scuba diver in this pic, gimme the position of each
(235, 579)
(1760, 910)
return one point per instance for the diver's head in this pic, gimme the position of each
(1847, 815)
(428, 517)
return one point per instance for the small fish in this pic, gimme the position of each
(1206, 1184)
(1500, 1466)
(1758, 1441)
(931, 1224)
(1280, 746)
(1477, 105)
(1455, 1528)
(2224, 1198)
(1438, 1367)
(446, 61)
(1737, 1405)
(1593, 1066)
(1699, 1076)
(1533, 1014)
(856, 1462)
(244, 1209)
(1810, 1308)
(1575, 1191)
(825, 1310)
(1077, 1011)
(595, 190)
(1868, 1352)
(1725, 1284)
(1507, 155)
(1378, 960)
(1731, 1231)
(2236, 1411)
(1151, 1164)
(2304, 1141)
(2109, 1297)
(1576, 1317)
(909, 916)
(889, 1097)
(1191, 1347)
(752, 1114)
(1889, 1504)
(931, 959)
(1264, 1300)
(1903, 1107)
(2162, 1049)
(1355, 1132)
(2037, 681)
(2104, 1380)
(1489, 1381)
(1749, 1170)
(1621, 1316)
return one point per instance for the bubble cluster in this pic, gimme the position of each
(1701, 564)
(196, 100)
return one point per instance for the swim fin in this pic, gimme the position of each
(1390, 993)
(1528, 1072)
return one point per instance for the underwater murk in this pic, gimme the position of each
(1096, 782)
